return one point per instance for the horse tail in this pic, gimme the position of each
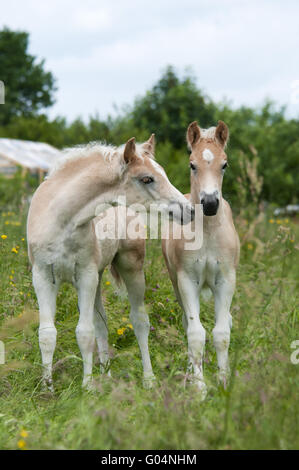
(120, 288)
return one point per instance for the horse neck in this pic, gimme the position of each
(81, 190)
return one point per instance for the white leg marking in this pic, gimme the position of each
(46, 293)
(101, 330)
(196, 333)
(223, 292)
(85, 331)
(136, 287)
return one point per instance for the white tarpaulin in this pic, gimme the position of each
(31, 155)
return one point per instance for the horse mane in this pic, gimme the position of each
(110, 155)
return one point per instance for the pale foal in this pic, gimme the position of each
(62, 244)
(214, 264)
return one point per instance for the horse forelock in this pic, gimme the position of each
(208, 134)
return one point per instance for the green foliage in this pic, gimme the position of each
(169, 107)
(28, 87)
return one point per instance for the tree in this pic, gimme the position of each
(170, 106)
(28, 87)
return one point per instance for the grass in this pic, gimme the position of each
(260, 410)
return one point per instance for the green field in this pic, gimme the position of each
(260, 410)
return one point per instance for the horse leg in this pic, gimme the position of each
(132, 274)
(223, 293)
(46, 292)
(85, 332)
(101, 329)
(196, 333)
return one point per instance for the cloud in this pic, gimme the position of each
(108, 52)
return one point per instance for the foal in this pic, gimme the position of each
(214, 264)
(62, 244)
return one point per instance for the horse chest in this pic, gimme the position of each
(204, 266)
(71, 251)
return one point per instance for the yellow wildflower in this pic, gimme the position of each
(130, 326)
(6, 222)
(14, 250)
(271, 221)
(121, 331)
(11, 278)
(286, 221)
(124, 319)
(3, 237)
(22, 444)
(23, 239)
(107, 283)
(278, 221)
(12, 271)
(249, 246)
(24, 433)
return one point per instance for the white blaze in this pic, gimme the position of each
(208, 155)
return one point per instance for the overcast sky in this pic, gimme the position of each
(107, 52)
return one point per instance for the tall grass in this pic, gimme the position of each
(259, 410)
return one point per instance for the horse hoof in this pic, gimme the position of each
(149, 382)
(202, 389)
(89, 385)
(222, 378)
(47, 386)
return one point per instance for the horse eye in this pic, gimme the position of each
(147, 180)
(192, 166)
(224, 165)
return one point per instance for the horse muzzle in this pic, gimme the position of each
(210, 203)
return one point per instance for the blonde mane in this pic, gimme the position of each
(111, 155)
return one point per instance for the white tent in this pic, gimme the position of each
(37, 157)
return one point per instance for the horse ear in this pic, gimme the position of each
(130, 151)
(193, 134)
(149, 145)
(222, 133)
